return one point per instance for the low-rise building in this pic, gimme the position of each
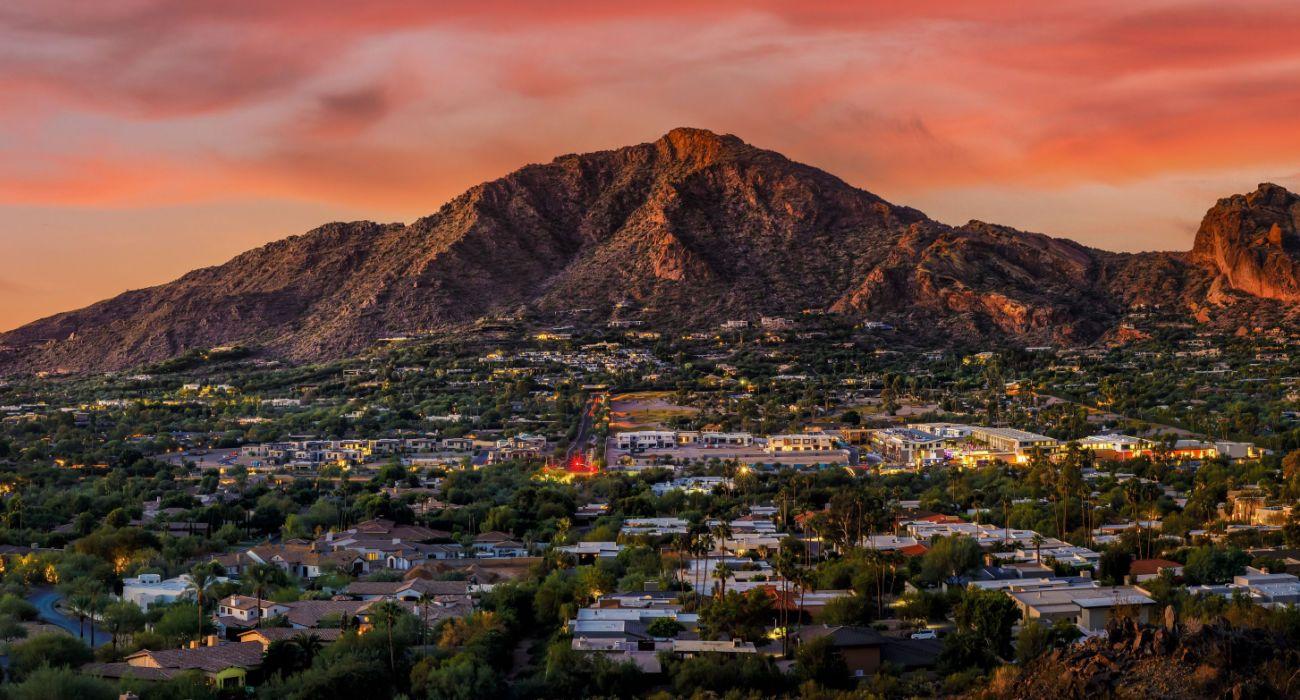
(1089, 607)
(801, 442)
(150, 589)
(1013, 440)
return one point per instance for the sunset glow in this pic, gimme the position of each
(143, 139)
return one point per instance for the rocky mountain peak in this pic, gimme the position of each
(1251, 241)
(698, 147)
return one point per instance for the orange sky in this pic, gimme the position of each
(140, 139)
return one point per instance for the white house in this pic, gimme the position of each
(151, 589)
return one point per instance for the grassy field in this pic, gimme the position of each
(645, 410)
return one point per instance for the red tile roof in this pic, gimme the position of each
(1146, 567)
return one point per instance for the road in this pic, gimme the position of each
(45, 598)
(581, 440)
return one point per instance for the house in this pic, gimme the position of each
(309, 614)
(861, 647)
(412, 589)
(589, 552)
(1147, 569)
(653, 527)
(150, 589)
(239, 611)
(865, 649)
(308, 560)
(1262, 587)
(1115, 445)
(226, 664)
(716, 439)
(481, 574)
(623, 629)
(692, 484)
(693, 647)
(1089, 607)
(499, 544)
(267, 635)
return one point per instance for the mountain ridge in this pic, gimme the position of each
(690, 229)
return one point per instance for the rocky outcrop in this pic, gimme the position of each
(1189, 661)
(694, 228)
(1251, 241)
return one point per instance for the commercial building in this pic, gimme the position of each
(806, 442)
(1013, 440)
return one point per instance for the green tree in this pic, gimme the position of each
(179, 621)
(1212, 565)
(463, 677)
(48, 682)
(17, 607)
(990, 615)
(122, 618)
(1114, 565)
(49, 649)
(737, 616)
(11, 628)
(819, 661)
(950, 556)
(664, 627)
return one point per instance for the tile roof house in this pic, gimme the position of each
(478, 572)
(244, 611)
(266, 635)
(307, 614)
(308, 560)
(1147, 569)
(499, 544)
(226, 664)
(412, 589)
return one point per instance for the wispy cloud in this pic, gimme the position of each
(395, 106)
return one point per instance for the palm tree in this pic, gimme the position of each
(389, 612)
(80, 603)
(704, 544)
(202, 578)
(1038, 547)
(721, 572)
(260, 576)
(95, 591)
(426, 599)
(309, 644)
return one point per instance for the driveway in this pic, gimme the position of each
(45, 598)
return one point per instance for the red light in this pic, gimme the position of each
(579, 465)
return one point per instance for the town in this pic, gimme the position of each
(608, 511)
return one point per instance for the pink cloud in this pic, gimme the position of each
(394, 107)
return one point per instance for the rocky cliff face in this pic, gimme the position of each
(1251, 241)
(692, 229)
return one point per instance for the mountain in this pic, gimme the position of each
(1251, 240)
(687, 231)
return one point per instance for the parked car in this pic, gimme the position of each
(925, 634)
